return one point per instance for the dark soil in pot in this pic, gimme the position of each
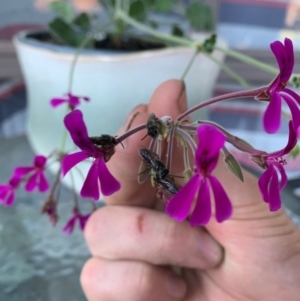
(127, 44)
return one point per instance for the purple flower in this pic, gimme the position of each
(277, 90)
(35, 173)
(82, 219)
(269, 183)
(8, 191)
(98, 173)
(211, 141)
(72, 100)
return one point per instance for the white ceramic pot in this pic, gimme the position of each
(115, 83)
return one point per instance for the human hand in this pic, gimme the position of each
(134, 246)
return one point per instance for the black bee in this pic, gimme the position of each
(151, 163)
(168, 184)
(154, 126)
(106, 143)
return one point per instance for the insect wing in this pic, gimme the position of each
(144, 172)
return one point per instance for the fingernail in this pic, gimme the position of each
(176, 287)
(210, 249)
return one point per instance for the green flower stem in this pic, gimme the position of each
(162, 36)
(78, 52)
(191, 43)
(71, 74)
(233, 95)
(188, 67)
(229, 71)
(248, 60)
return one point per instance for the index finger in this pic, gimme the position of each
(169, 100)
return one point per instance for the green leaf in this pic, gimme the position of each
(83, 21)
(295, 151)
(200, 16)
(137, 10)
(65, 33)
(233, 165)
(177, 31)
(209, 44)
(296, 81)
(163, 5)
(63, 9)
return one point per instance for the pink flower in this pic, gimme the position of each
(211, 141)
(8, 191)
(35, 173)
(98, 173)
(82, 219)
(269, 183)
(72, 100)
(277, 90)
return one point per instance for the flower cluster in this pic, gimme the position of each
(205, 140)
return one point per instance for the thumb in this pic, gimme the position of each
(168, 99)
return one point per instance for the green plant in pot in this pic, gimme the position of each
(107, 84)
(79, 96)
(71, 29)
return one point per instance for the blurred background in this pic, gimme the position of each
(37, 262)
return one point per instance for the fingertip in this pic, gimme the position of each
(169, 99)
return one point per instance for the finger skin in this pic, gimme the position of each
(169, 99)
(130, 280)
(118, 232)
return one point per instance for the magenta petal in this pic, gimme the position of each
(293, 94)
(40, 161)
(208, 149)
(222, 201)
(108, 183)
(273, 114)
(10, 198)
(179, 206)
(202, 212)
(75, 124)
(279, 51)
(83, 220)
(57, 101)
(275, 201)
(32, 182)
(69, 161)
(263, 183)
(21, 171)
(43, 183)
(69, 227)
(283, 175)
(293, 108)
(90, 188)
(289, 53)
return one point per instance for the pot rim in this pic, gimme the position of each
(68, 52)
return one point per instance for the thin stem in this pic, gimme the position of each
(187, 138)
(248, 60)
(170, 148)
(233, 95)
(191, 61)
(234, 140)
(229, 71)
(152, 144)
(162, 36)
(131, 132)
(78, 52)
